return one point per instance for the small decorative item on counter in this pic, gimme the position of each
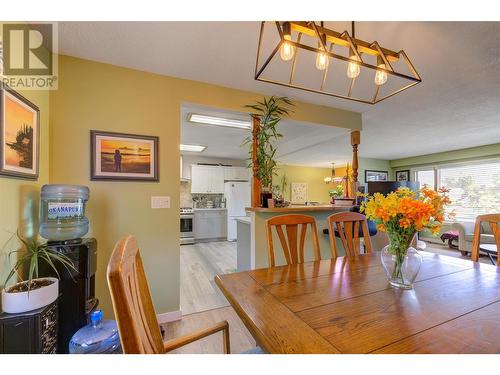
(98, 337)
(265, 196)
(402, 214)
(270, 203)
(34, 292)
(336, 193)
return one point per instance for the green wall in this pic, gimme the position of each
(374, 165)
(466, 154)
(317, 189)
(19, 197)
(313, 176)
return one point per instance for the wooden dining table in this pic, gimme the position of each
(346, 305)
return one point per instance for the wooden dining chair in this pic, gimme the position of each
(134, 312)
(493, 220)
(292, 249)
(347, 225)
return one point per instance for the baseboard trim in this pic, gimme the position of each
(170, 316)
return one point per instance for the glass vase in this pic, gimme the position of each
(401, 265)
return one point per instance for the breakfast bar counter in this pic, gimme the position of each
(302, 208)
(258, 237)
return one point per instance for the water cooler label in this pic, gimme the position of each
(64, 210)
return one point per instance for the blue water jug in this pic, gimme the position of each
(63, 212)
(98, 337)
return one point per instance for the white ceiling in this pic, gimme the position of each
(456, 105)
(301, 144)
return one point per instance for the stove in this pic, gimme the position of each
(186, 228)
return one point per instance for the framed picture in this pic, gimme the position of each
(299, 192)
(376, 175)
(403, 175)
(19, 135)
(119, 156)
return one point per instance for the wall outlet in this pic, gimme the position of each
(160, 202)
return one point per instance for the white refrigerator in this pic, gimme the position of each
(237, 196)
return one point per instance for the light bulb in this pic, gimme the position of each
(286, 50)
(380, 76)
(322, 61)
(353, 67)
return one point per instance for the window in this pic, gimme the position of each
(474, 188)
(426, 177)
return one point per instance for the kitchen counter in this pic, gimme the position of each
(258, 231)
(302, 208)
(244, 219)
(210, 209)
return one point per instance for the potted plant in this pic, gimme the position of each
(35, 292)
(402, 214)
(336, 193)
(279, 192)
(270, 111)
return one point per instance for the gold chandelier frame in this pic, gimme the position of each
(357, 46)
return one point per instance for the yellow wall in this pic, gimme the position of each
(98, 96)
(317, 189)
(19, 197)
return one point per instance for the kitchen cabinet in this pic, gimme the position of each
(207, 179)
(236, 174)
(182, 174)
(210, 224)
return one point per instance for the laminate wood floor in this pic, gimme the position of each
(444, 249)
(240, 338)
(199, 265)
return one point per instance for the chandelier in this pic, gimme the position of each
(310, 57)
(332, 178)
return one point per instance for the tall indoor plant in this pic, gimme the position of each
(402, 214)
(270, 112)
(35, 291)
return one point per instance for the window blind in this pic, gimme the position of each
(474, 188)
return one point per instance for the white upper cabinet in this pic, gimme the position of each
(207, 179)
(236, 174)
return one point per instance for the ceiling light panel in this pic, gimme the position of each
(192, 148)
(219, 121)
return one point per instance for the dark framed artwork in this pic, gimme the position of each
(376, 175)
(123, 157)
(19, 135)
(403, 175)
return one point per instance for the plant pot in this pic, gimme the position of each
(32, 300)
(264, 196)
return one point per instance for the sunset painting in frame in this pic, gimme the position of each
(118, 156)
(19, 127)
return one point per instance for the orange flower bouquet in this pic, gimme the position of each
(402, 214)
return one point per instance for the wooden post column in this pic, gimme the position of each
(355, 141)
(256, 186)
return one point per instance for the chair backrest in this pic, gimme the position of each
(348, 225)
(132, 304)
(493, 220)
(293, 250)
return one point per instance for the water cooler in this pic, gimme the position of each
(63, 222)
(76, 287)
